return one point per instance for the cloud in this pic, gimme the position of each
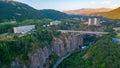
(115, 6)
(93, 2)
(106, 2)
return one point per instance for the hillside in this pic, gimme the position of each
(88, 11)
(53, 14)
(11, 10)
(114, 14)
(19, 11)
(103, 54)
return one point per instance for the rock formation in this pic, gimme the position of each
(60, 46)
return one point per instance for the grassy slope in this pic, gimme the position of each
(114, 14)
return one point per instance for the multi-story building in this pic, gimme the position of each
(94, 21)
(55, 22)
(24, 29)
(117, 29)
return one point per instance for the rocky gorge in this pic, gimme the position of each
(60, 46)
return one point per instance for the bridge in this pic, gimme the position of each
(76, 32)
(82, 32)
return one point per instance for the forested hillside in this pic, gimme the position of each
(13, 10)
(103, 54)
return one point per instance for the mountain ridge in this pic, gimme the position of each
(13, 10)
(88, 11)
(114, 14)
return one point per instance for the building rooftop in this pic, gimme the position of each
(24, 29)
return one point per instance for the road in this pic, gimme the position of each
(82, 32)
(4, 34)
(59, 61)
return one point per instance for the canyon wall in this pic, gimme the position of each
(61, 46)
(64, 45)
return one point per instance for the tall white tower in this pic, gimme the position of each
(94, 21)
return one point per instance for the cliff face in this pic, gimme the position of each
(64, 45)
(39, 58)
(60, 46)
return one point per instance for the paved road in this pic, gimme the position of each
(82, 32)
(59, 61)
(3, 34)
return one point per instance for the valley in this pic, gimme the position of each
(49, 38)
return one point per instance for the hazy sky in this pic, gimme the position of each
(71, 4)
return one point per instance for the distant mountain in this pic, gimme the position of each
(88, 11)
(10, 10)
(53, 14)
(114, 14)
(83, 16)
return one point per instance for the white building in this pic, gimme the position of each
(55, 22)
(94, 21)
(24, 29)
(117, 29)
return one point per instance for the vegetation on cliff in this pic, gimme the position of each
(19, 47)
(23, 45)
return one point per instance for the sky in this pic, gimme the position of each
(63, 5)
